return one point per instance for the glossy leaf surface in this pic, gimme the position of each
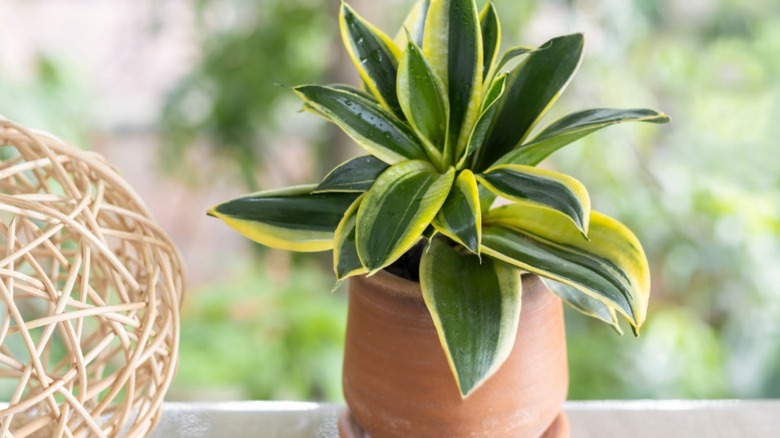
(460, 218)
(531, 88)
(355, 175)
(414, 25)
(397, 209)
(452, 44)
(371, 126)
(575, 126)
(483, 123)
(423, 100)
(346, 262)
(291, 218)
(543, 187)
(475, 306)
(610, 267)
(491, 38)
(375, 56)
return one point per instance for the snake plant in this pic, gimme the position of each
(447, 122)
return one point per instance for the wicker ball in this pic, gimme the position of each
(90, 289)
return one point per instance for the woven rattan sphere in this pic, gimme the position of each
(89, 295)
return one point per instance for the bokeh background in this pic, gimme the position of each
(189, 99)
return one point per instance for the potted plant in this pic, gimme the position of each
(433, 260)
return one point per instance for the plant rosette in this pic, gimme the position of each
(446, 120)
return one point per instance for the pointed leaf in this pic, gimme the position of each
(373, 128)
(414, 25)
(475, 306)
(531, 88)
(397, 209)
(486, 117)
(575, 126)
(355, 175)
(544, 187)
(585, 304)
(610, 267)
(491, 39)
(460, 217)
(452, 44)
(291, 218)
(346, 262)
(513, 53)
(375, 56)
(423, 100)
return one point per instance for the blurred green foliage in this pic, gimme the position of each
(252, 336)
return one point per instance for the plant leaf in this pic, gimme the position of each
(293, 218)
(531, 88)
(396, 210)
(483, 123)
(373, 128)
(355, 175)
(414, 25)
(584, 303)
(491, 39)
(610, 267)
(452, 44)
(375, 56)
(460, 218)
(346, 262)
(423, 100)
(513, 53)
(575, 126)
(540, 186)
(475, 306)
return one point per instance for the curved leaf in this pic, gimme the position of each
(374, 54)
(373, 128)
(483, 123)
(531, 88)
(397, 209)
(414, 25)
(491, 39)
(460, 218)
(584, 303)
(346, 262)
(452, 44)
(475, 306)
(293, 218)
(355, 175)
(610, 267)
(423, 101)
(544, 187)
(575, 126)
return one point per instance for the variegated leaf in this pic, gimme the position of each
(609, 266)
(531, 88)
(546, 188)
(375, 56)
(397, 209)
(575, 126)
(460, 218)
(293, 218)
(355, 175)
(346, 262)
(475, 306)
(370, 125)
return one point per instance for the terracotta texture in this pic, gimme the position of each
(397, 382)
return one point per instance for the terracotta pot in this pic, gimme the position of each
(397, 382)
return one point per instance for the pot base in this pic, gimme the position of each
(348, 428)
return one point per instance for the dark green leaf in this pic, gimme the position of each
(544, 187)
(397, 209)
(483, 123)
(531, 89)
(491, 38)
(584, 303)
(375, 56)
(291, 218)
(575, 126)
(355, 175)
(460, 218)
(373, 128)
(346, 261)
(475, 306)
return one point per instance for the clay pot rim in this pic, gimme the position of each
(401, 287)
